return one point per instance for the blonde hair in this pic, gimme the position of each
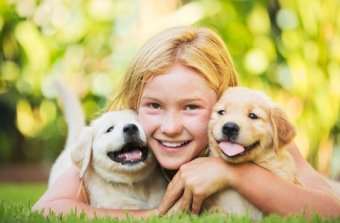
(198, 48)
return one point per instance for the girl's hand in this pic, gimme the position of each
(194, 182)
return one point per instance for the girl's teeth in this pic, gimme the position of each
(172, 144)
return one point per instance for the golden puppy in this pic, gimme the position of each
(246, 126)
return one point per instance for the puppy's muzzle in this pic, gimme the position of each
(134, 149)
(131, 133)
(230, 131)
(229, 145)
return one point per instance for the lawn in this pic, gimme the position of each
(16, 201)
(21, 193)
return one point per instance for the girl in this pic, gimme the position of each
(173, 83)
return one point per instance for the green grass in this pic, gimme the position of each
(24, 193)
(16, 201)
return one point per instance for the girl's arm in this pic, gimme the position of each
(274, 195)
(203, 177)
(64, 196)
(306, 173)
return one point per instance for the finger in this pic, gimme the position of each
(169, 200)
(173, 193)
(196, 204)
(186, 200)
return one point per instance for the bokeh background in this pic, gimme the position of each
(289, 49)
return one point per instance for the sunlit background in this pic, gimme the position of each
(290, 49)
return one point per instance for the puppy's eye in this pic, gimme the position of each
(252, 116)
(221, 112)
(109, 129)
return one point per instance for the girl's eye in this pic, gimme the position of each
(109, 129)
(191, 107)
(221, 112)
(154, 106)
(252, 116)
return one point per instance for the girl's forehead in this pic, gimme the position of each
(178, 76)
(183, 88)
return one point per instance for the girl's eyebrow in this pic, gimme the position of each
(184, 100)
(149, 98)
(193, 100)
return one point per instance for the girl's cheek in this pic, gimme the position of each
(147, 121)
(142, 118)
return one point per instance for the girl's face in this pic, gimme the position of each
(175, 110)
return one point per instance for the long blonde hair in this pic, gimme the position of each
(198, 48)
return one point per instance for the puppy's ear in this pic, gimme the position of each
(284, 131)
(81, 152)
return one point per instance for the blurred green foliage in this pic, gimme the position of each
(290, 49)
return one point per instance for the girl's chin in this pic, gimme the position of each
(171, 164)
(172, 158)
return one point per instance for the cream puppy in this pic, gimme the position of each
(118, 169)
(116, 166)
(246, 126)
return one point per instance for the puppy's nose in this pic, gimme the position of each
(230, 129)
(130, 129)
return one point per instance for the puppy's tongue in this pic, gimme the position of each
(231, 149)
(133, 155)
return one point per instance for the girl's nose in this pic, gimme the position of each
(171, 123)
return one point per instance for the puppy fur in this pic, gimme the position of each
(75, 121)
(116, 167)
(246, 126)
